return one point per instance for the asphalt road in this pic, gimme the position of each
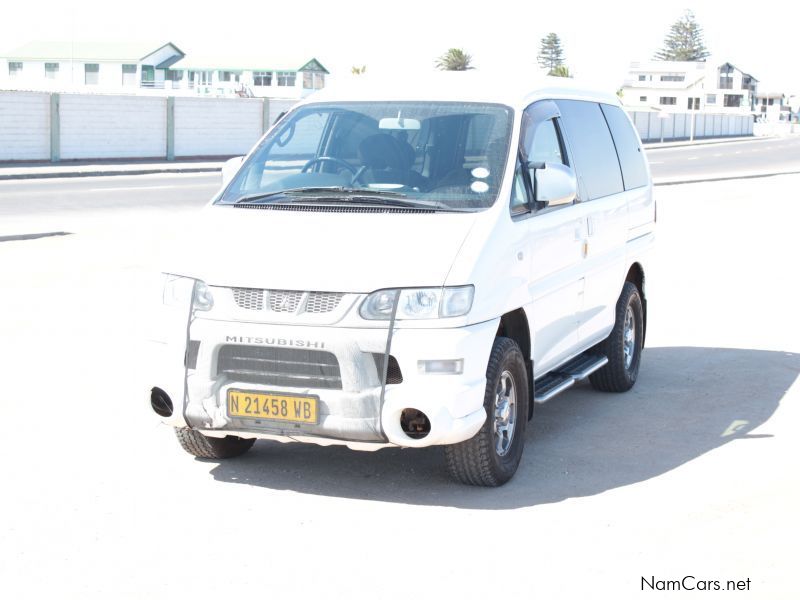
(728, 159)
(692, 473)
(167, 191)
(77, 197)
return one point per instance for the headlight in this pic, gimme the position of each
(178, 291)
(418, 303)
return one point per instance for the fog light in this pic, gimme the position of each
(444, 367)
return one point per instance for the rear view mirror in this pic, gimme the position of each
(399, 123)
(555, 183)
(229, 169)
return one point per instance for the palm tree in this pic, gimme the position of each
(455, 59)
(560, 71)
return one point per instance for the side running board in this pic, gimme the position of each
(575, 370)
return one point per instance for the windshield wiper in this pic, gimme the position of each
(345, 195)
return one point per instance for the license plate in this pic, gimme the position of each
(274, 407)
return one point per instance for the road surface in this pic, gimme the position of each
(692, 473)
(727, 159)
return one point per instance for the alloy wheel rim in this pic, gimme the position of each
(629, 338)
(505, 413)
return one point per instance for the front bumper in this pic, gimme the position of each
(357, 414)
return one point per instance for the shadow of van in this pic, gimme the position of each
(687, 402)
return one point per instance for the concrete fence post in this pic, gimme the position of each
(264, 115)
(55, 128)
(170, 127)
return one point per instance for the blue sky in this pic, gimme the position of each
(599, 39)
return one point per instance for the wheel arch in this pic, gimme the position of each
(514, 325)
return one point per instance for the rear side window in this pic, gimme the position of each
(592, 147)
(631, 159)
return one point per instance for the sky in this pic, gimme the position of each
(600, 39)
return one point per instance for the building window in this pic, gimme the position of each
(14, 69)
(673, 77)
(173, 75)
(711, 98)
(771, 101)
(732, 100)
(262, 78)
(693, 104)
(91, 73)
(287, 78)
(50, 70)
(642, 98)
(128, 74)
(726, 77)
(642, 77)
(229, 76)
(668, 100)
(313, 80)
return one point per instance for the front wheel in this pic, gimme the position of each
(201, 446)
(623, 346)
(492, 456)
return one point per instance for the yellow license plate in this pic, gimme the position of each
(275, 407)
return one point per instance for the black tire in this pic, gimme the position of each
(201, 446)
(478, 461)
(620, 374)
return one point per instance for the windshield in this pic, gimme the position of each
(442, 154)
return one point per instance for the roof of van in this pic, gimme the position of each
(464, 86)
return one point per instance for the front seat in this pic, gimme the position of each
(386, 159)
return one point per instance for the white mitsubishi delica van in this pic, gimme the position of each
(408, 265)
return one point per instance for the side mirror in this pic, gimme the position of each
(229, 169)
(555, 183)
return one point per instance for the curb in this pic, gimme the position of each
(684, 144)
(724, 178)
(61, 174)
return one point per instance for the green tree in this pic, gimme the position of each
(551, 55)
(358, 70)
(455, 59)
(684, 41)
(560, 71)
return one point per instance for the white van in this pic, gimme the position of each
(411, 265)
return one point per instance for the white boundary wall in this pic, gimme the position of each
(24, 126)
(112, 127)
(99, 126)
(678, 126)
(217, 127)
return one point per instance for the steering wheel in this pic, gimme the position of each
(332, 159)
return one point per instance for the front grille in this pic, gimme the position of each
(286, 301)
(287, 367)
(393, 373)
(322, 302)
(280, 301)
(249, 299)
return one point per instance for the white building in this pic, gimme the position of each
(773, 106)
(688, 86)
(115, 67)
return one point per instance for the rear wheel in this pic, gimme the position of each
(197, 444)
(623, 346)
(492, 456)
